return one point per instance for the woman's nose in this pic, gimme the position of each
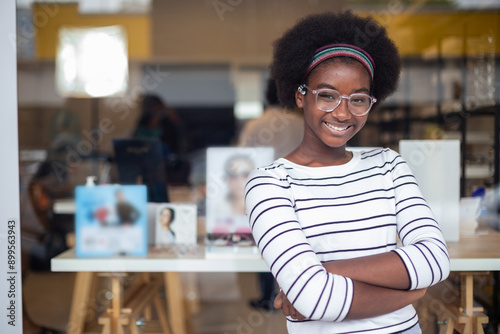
(342, 111)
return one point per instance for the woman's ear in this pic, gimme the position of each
(299, 99)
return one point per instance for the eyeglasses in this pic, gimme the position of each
(329, 99)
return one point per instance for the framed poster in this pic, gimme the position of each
(175, 224)
(111, 220)
(227, 172)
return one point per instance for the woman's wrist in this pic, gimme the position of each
(385, 270)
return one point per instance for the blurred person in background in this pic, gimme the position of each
(283, 130)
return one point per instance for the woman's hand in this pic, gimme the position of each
(282, 302)
(420, 293)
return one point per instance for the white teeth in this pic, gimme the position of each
(336, 128)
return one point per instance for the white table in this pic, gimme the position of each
(68, 261)
(480, 252)
(470, 256)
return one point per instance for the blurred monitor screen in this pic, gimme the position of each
(141, 161)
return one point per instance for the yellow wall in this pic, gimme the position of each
(193, 32)
(190, 32)
(48, 18)
(419, 34)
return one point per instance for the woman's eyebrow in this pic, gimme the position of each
(325, 85)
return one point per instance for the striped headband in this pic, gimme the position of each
(338, 50)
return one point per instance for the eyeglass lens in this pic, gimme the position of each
(328, 100)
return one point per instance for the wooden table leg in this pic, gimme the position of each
(148, 315)
(477, 318)
(80, 302)
(175, 302)
(161, 314)
(467, 293)
(448, 327)
(191, 293)
(116, 290)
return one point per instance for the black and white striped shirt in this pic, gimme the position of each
(302, 216)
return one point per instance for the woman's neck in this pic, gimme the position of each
(313, 157)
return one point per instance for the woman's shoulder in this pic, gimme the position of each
(276, 169)
(382, 154)
(279, 171)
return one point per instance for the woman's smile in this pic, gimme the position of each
(337, 128)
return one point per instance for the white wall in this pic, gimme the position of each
(194, 85)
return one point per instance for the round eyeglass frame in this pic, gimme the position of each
(347, 97)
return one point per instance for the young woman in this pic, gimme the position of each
(327, 220)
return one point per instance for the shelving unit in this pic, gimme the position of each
(450, 116)
(479, 165)
(445, 110)
(479, 149)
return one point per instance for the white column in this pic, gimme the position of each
(11, 319)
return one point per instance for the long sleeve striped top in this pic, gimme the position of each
(302, 216)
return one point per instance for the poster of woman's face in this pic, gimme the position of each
(175, 224)
(228, 169)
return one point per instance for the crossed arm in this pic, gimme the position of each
(380, 286)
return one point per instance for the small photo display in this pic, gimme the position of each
(175, 224)
(227, 173)
(111, 220)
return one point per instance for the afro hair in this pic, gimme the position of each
(293, 52)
